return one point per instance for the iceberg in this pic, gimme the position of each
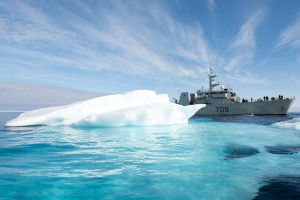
(136, 108)
(293, 123)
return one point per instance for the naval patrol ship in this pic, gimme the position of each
(226, 102)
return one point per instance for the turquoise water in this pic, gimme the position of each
(209, 158)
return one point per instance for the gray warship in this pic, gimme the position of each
(226, 102)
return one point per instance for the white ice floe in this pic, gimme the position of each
(293, 123)
(136, 108)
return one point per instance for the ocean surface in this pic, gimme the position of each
(240, 157)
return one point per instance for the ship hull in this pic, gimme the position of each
(276, 107)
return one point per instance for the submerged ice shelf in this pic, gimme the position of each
(136, 108)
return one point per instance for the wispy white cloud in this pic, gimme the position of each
(247, 77)
(122, 39)
(211, 4)
(244, 45)
(23, 23)
(246, 35)
(290, 37)
(133, 39)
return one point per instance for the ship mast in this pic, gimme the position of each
(211, 77)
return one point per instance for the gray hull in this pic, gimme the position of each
(276, 107)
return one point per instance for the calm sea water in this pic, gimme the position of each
(242, 157)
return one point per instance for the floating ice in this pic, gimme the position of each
(293, 123)
(136, 108)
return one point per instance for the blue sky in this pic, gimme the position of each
(119, 46)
